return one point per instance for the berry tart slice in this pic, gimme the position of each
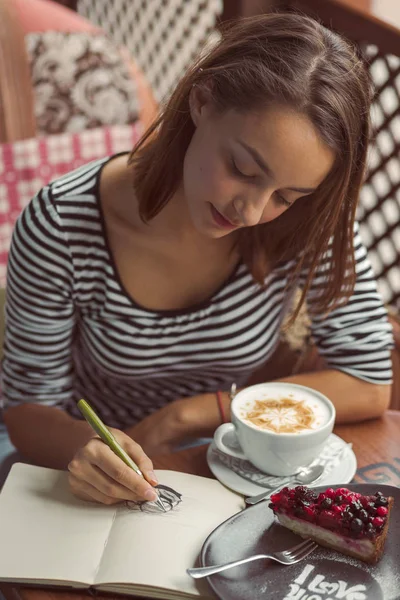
(346, 521)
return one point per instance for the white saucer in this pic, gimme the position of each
(341, 473)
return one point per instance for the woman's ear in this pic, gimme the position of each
(199, 103)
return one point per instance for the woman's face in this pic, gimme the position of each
(242, 170)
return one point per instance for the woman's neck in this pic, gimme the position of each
(173, 224)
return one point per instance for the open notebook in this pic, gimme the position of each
(49, 537)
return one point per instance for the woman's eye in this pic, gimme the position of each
(236, 171)
(282, 201)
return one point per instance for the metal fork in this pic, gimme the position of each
(286, 557)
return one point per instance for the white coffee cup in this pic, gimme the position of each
(310, 415)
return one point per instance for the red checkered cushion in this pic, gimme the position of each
(28, 165)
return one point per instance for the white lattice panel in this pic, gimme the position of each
(379, 211)
(163, 36)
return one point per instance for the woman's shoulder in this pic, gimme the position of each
(78, 185)
(72, 197)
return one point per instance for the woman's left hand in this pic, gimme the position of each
(187, 418)
(159, 432)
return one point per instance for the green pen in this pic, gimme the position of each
(105, 434)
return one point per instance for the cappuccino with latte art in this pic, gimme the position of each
(280, 427)
(286, 415)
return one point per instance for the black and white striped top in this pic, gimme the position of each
(73, 331)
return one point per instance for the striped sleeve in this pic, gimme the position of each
(356, 338)
(37, 365)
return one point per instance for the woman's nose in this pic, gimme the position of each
(251, 209)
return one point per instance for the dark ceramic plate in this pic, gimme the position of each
(323, 575)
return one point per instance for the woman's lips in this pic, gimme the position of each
(220, 220)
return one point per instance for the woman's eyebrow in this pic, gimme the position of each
(264, 167)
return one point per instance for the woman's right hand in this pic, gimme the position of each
(96, 474)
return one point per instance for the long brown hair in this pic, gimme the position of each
(284, 59)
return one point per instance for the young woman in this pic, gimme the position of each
(145, 283)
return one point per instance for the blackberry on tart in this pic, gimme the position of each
(346, 521)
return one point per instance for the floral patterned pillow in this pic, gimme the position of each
(80, 81)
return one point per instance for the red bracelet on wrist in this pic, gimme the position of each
(221, 407)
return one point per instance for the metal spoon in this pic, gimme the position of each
(305, 477)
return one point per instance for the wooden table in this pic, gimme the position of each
(375, 443)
